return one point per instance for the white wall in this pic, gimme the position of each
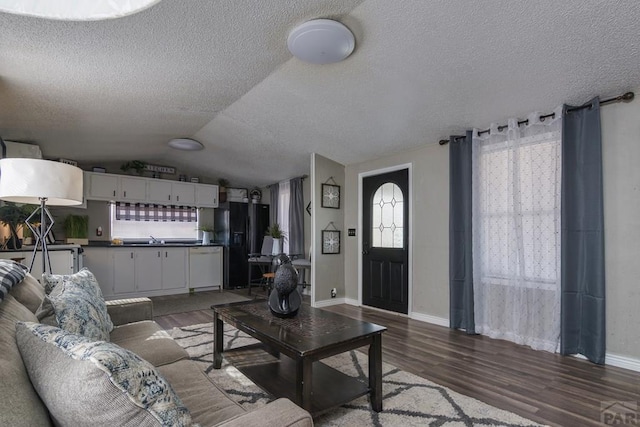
(430, 234)
(327, 270)
(621, 166)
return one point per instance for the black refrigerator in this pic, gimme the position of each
(240, 228)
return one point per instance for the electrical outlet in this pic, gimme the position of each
(334, 292)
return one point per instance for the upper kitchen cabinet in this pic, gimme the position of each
(125, 188)
(160, 191)
(183, 193)
(102, 186)
(172, 192)
(133, 189)
(206, 196)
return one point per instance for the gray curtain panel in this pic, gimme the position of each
(461, 313)
(296, 218)
(274, 191)
(582, 236)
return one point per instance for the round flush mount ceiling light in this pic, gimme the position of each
(186, 144)
(321, 41)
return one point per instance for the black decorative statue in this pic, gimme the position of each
(285, 299)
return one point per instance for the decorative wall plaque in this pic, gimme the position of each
(331, 240)
(330, 195)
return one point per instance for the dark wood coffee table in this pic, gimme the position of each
(294, 347)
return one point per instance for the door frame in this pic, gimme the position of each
(361, 176)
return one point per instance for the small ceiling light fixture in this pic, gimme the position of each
(321, 41)
(186, 144)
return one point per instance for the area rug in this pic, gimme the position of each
(408, 400)
(183, 303)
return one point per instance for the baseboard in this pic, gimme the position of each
(622, 362)
(352, 301)
(440, 321)
(329, 302)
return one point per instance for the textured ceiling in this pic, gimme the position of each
(220, 72)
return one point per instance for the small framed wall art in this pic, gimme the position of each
(330, 194)
(331, 240)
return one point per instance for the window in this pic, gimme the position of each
(516, 175)
(139, 221)
(387, 210)
(518, 212)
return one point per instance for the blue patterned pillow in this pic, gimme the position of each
(131, 376)
(78, 308)
(11, 273)
(84, 277)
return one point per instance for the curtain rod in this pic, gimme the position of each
(621, 98)
(302, 177)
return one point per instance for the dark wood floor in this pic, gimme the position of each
(541, 386)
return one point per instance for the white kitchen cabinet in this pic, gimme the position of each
(174, 268)
(105, 186)
(148, 266)
(172, 192)
(101, 186)
(100, 262)
(159, 191)
(61, 262)
(206, 196)
(133, 189)
(183, 193)
(124, 270)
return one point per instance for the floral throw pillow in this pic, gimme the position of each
(84, 277)
(78, 305)
(96, 381)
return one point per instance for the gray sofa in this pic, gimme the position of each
(136, 331)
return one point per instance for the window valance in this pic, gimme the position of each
(151, 212)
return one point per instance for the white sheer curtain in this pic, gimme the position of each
(516, 231)
(284, 200)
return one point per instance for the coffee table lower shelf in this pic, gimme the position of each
(277, 376)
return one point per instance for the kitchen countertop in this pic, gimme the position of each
(148, 245)
(51, 247)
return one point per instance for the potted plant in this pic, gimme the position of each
(137, 165)
(277, 235)
(13, 216)
(27, 235)
(207, 234)
(76, 228)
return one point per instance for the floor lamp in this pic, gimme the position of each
(40, 182)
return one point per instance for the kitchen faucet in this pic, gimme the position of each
(154, 240)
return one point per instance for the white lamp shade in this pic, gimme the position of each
(29, 180)
(75, 10)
